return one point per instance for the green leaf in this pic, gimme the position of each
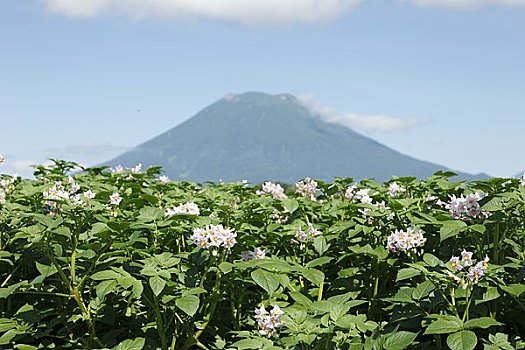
(301, 299)
(48, 221)
(478, 228)
(226, 267)
(464, 340)
(314, 276)
(45, 270)
(248, 344)
(320, 245)
(423, 290)
(514, 289)
(336, 311)
(149, 214)
(319, 261)
(105, 275)
(128, 344)
(403, 295)
(481, 322)
(407, 273)
(266, 280)
(494, 204)
(8, 336)
(451, 229)
(157, 284)
(105, 287)
(432, 260)
(290, 205)
(491, 294)
(399, 340)
(444, 325)
(99, 229)
(188, 303)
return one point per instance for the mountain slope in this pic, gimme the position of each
(260, 137)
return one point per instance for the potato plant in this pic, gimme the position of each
(125, 259)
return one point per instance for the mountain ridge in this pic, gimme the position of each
(258, 137)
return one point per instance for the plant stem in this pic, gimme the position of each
(466, 313)
(160, 323)
(495, 253)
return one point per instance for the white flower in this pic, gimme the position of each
(55, 195)
(381, 205)
(300, 235)
(257, 254)
(522, 179)
(117, 170)
(275, 190)
(164, 179)
(465, 208)
(76, 200)
(183, 209)
(394, 189)
(136, 169)
(466, 258)
(404, 241)
(456, 263)
(214, 236)
(312, 231)
(89, 194)
(2, 196)
(307, 188)
(350, 192)
(275, 215)
(74, 187)
(474, 274)
(268, 323)
(115, 198)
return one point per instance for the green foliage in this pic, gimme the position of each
(78, 271)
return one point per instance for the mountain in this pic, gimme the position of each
(260, 137)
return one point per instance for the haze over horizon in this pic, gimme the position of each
(437, 80)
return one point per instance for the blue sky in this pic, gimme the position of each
(440, 80)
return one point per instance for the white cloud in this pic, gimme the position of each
(467, 4)
(241, 11)
(367, 122)
(14, 166)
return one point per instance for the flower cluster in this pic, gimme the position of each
(395, 190)
(307, 188)
(362, 195)
(365, 213)
(61, 192)
(405, 241)
(189, 208)
(275, 190)
(120, 169)
(465, 208)
(89, 194)
(164, 179)
(522, 180)
(275, 215)
(256, 254)
(302, 236)
(6, 185)
(214, 236)
(268, 322)
(460, 266)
